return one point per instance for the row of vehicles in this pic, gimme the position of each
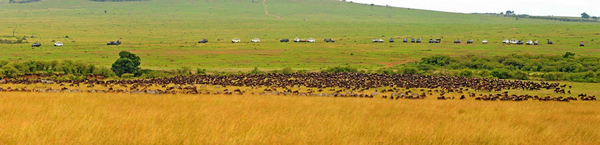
(257, 40)
(38, 44)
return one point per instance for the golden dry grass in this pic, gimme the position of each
(62, 118)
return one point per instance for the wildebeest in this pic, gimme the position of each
(37, 44)
(284, 40)
(203, 41)
(118, 42)
(391, 40)
(329, 40)
(457, 41)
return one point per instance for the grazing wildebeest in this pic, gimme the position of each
(284, 40)
(203, 41)
(329, 40)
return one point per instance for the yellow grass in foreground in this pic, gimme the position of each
(32, 118)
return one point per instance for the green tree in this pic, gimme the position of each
(127, 63)
(585, 15)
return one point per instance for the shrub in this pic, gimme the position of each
(500, 73)
(341, 69)
(466, 73)
(127, 76)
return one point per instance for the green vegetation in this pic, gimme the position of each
(165, 33)
(567, 67)
(127, 63)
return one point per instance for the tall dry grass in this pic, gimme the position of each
(33, 118)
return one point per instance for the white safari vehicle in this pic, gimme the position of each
(311, 40)
(58, 44)
(255, 40)
(235, 40)
(484, 41)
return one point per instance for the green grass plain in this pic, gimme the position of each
(164, 33)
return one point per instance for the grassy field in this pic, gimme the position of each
(30, 118)
(164, 33)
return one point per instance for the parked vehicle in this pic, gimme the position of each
(391, 40)
(470, 41)
(329, 40)
(484, 42)
(37, 44)
(419, 40)
(235, 40)
(284, 40)
(296, 39)
(58, 44)
(529, 42)
(118, 42)
(203, 41)
(311, 40)
(405, 40)
(378, 40)
(255, 40)
(431, 41)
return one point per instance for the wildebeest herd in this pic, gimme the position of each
(359, 85)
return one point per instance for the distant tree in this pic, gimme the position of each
(510, 12)
(501, 13)
(594, 17)
(372, 6)
(127, 63)
(585, 15)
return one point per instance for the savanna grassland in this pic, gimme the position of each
(164, 35)
(31, 118)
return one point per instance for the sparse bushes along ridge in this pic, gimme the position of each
(567, 67)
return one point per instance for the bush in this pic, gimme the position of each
(410, 70)
(519, 75)
(501, 74)
(341, 69)
(466, 73)
(9, 71)
(127, 76)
